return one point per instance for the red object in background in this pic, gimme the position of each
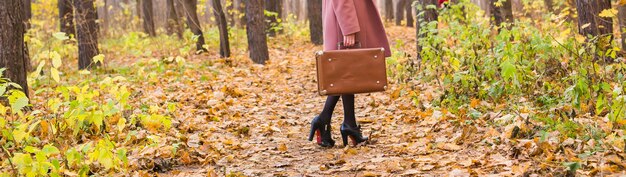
(441, 2)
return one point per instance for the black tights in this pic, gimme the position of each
(348, 109)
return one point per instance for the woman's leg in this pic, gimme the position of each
(348, 110)
(329, 107)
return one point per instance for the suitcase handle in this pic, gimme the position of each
(340, 45)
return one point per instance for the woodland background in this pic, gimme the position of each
(228, 88)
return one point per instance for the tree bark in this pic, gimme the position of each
(400, 8)
(148, 17)
(194, 23)
(12, 56)
(257, 40)
(230, 13)
(86, 33)
(587, 24)
(105, 17)
(428, 15)
(27, 13)
(503, 13)
(409, 13)
(138, 8)
(223, 27)
(274, 6)
(389, 10)
(605, 23)
(315, 21)
(622, 24)
(241, 9)
(27, 16)
(173, 25)
(66, 17)
(549, 5)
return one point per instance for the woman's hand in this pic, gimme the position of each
(349, 40)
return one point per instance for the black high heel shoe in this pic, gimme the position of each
(321, 130)
(354, 133)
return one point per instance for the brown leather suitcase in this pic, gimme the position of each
(351, 71)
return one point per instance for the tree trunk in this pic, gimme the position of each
(400, 8)
(274, 6)
(172, 25)
(315, 21)
(409, 13)
(428, 15)
(148, 17)
(257, 40)
(622, 24)
(12, 31)
(605, 23)
(105, 17)
(27, 13)
(194, 23)
(223, 27)
(591, 24)
(27, 16)
(503, 13)
(86, 33)
(549, 5)
(241, 9)
(389, 10)
(66, 17)
(138, 8)
(586, 17)
(230, 13)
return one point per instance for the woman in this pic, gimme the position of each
(351, 22)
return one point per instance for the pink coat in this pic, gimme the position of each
(344, 17)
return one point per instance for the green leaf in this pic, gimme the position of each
(61, 36)
(55, 74)
(49, 150)
(600, 104)
(18, 100)
(3, 88)
(31, 149)
(508, 70)
(572, 166)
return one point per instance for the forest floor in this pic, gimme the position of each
(239, 118)
(266, 118)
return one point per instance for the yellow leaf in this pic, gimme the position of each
(608, 13)
(3, 110)
(98, 58)
(84, 72)
(55, 74)
(585, 26)
(282, 148)
(121, 124)
(622, 2)
(56, 59)
(580, 38)
(20, 133)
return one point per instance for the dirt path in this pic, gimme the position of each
(245, 119)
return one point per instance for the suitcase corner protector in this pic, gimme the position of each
(319, 53)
